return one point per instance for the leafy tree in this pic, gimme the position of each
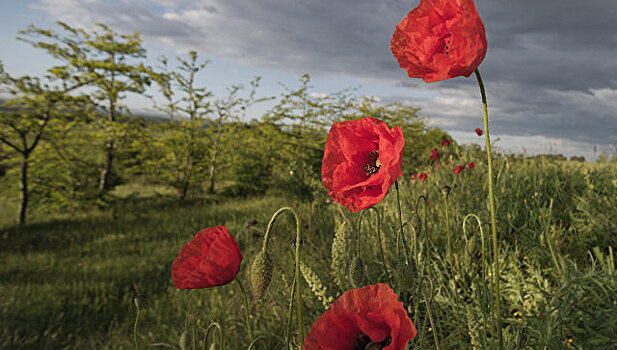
(25, 117)
(229, 109)
(109, 63)
(189, 105)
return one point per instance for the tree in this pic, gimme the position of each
(110, 63)
(188, 104)
(25, 117)
(227, 109)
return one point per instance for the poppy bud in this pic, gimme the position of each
(356, 273)
(340, 253)
(445, 191)
(184, 341)
(408, 276)
(261, 274)
(471, 245)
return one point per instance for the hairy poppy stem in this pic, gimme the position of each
(448, 233)
(135, 327)
(381, 250)
(258, 339)
(247, 313)
(296, 283)
(399, 235)
(492, 207)
(221, 337)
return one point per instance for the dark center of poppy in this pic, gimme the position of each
(447, 45)
(363, 342)
(372, 166)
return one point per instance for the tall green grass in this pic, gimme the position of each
(69, 282)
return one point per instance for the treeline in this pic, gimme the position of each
(70, 141)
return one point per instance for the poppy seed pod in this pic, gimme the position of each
(356, 273)
(408, 276)
(261, 274)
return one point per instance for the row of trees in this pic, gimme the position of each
(67, 134)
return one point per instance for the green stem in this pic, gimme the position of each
(135, 327)
(296, 284)
(427, 302)
(448, 234)
(221, 337)
(289, 316)
(548, 239)
(399, 235)
(492, 208)
(247, 314)
(254, 342)
(381, 250)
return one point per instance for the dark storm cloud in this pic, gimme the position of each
(551, 67)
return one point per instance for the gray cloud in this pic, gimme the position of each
(550, 69)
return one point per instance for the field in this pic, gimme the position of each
(70, 281)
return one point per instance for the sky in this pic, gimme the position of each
(550, 70)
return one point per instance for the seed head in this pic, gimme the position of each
(408, 276)
(261, 274)
(357, 276)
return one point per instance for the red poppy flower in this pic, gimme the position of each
(434, 154)
(371, 315)
(422, 176)
(440, 39)
(471, 165)
(361, 161)
(212, 258)
(445, 142)
(458, 169)
(447, 162)
(479, 132)
(413, 176)
(438, 165)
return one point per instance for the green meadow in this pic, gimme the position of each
(68, 281)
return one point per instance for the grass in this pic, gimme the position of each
(69, 282)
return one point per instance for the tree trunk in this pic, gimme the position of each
(109, 153)
(23, 189)
(106, 172)
(213, 164)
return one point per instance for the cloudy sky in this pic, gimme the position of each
(550, 70)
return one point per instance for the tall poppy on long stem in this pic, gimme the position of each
(443, 39)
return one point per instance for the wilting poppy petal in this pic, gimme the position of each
(211, 258)
(369, 315)
(440, 39)
(479, 132)
(361, 161)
